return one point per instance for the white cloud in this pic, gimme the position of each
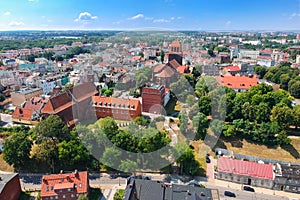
(138, 16)
(15, 23)
(149, 18)
(161, 21)
(85, 16)
(228, 23)
(294, 15)
(7, 13)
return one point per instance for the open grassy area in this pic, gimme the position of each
(197, 145)
(4, 166)
(289, 153)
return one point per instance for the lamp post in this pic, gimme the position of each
(119, 179)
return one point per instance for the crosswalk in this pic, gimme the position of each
(108, 194)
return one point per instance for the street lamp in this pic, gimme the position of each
(119, 180)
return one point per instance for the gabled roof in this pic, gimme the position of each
(233, 68)
(76, 181)
(167, 72)
(22, 113)
(64, 100)
(246, 168)
(158, 68)
(173, 63)
(238, 82)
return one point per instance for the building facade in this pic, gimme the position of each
(117, 108)
(153, 98)
(10, 187)
(65, 186)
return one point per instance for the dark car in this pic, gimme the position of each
(229, 194)
(250, 189)
(207, 160)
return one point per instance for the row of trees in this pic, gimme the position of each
(287, 77)
(260, 114)
(50, 145)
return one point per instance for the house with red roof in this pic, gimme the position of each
(117, 108)
(245, 172)
(238, 83)
(64, 186)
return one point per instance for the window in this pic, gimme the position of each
(69, 189)
(72, 195)
(51, 198)
(52, 187)
(60, 190)
(47, 188)
(80, 185)
(56, 197)
(62, 180)
(75, 185)
(64, 196)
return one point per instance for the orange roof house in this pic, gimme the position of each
(64, 186)
(117, 108)
(238, 83)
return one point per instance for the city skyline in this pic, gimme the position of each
(280, 15)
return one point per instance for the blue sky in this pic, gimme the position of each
(159, 14)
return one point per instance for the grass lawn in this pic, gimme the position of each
(4, 166)
(199, 156)
(289, 153)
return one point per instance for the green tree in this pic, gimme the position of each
(2, 97)
(54, 128)
(260, 71)
(111, 157)
(283, 115)
(294, 89)
(183, 121)
(296, 114)
(73, 154)
(262, 113)
(16, 150)
(109, 126)
(200, 122)
(162, 56)
(191, 100)
(128, 165)
(83, 197)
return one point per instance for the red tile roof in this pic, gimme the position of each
(22, 114)
(158, 68)
(79, 183)
(173, 63)
(116, 101)
(167, 72)
(183, 69)
(233, 68)
(238, 82)
(245, 168)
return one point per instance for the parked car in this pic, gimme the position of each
(229, 194)
(207, 160)
(250, 189)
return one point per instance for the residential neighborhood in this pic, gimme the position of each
(132, 112)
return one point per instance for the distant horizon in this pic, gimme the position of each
(198, 15)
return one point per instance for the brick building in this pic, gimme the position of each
(153, 98)
(64, 186)
(72, 105)
(10, 187)
(117, 108)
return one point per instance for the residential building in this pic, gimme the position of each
(245, 53)
(238, 83)
(117, 108)
(245, 172)
(153, 98)
(64, 186)
(150, 190)
(30, 111)
(287, 178)
(10, 187)
(25, 94)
